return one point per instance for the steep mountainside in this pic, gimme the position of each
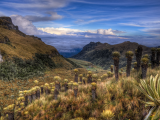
(15, 43)
(101, 54)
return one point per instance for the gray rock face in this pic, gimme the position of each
(7, 21)
(4, 39)
(1, 58)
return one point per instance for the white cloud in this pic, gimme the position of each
(60, 31)
(25, 25)
(77, 32)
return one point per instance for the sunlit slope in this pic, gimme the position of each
(26, 47)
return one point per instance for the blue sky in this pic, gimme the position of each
(75, 23)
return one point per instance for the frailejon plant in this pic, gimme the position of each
(47, 89)
(107, 114)
(94, 76)
(76, 75)
(138, 54)
(57, 83)
(80, 77)
(129, 55)
(152, 92)
(116, 56)
(153, 60)
(144, 67)
(66, 84)
(42, 86)
(83, 79)
(94, 87)
(111, 68)
(9, 110)
(135, 65)
(75, 88)
(89, 77)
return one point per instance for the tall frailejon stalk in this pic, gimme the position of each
(66, 84)
(153, 61)
(94, 87)
(111, 68)
(9, 110)
(158, 57)
(116, 56)
(80, 77)
(138, 54)
(57, 82)
(83, 78)
(129, 55)
(144, 66)
(135, 65)
(76, 75)
(75, 88)
(89, 77)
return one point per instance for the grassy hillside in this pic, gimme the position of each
(101, 54)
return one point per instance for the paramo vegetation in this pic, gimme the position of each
(84, 95)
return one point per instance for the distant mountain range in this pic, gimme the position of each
(101, 54)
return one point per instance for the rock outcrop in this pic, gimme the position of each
(1, 58)
(4, 39)
(7, 23)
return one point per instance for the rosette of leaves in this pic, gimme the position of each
(129, 55)
(26, 97)
(135, 65)
(66, 84)
(42, 87)
(83, 79)
(33, 90)
(107, 114)
(99, 80)
(111, 68)
(75, 88)
(38, 91)
(80, 76)
(94, 77)
(146, 56)
(80, 83)
(152, 92)
(10, 111)
(94, 87)
(57, 83)
(116, 56)
(36, 82)
(76, 75)
(144, 67)
(89, 76)
(30, 95)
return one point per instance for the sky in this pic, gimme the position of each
(71, 24)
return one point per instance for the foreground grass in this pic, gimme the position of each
(121, 97)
